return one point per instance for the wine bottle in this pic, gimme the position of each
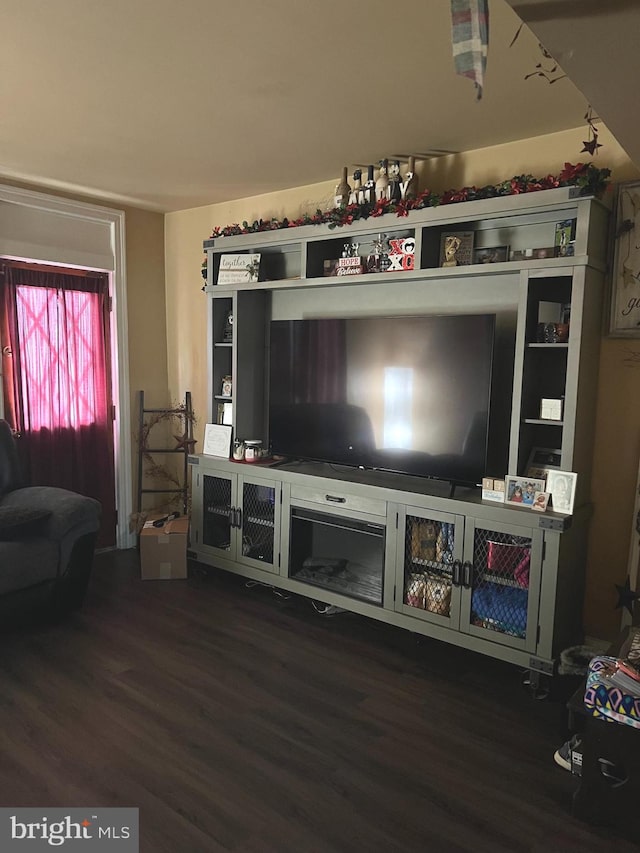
(343, 190)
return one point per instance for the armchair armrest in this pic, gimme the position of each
(69, 510)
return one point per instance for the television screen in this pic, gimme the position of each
(406, 394)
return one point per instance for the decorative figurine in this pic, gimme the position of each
(356, 192)
(370, 187)
(227, 332)
(451, 246)
(343, 190)
(394, 192)
(409, 186)
(382, 184)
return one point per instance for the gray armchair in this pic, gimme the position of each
(47, 537)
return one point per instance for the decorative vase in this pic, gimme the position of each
(343, 190)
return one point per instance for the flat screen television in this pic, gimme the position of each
(408, 394)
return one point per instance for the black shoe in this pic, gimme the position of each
(562, 756)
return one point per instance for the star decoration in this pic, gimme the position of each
(185, 442)
(590, 145)
(628, 277)
(626, 596)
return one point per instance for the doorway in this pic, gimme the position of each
(77, 234)
(57, 390)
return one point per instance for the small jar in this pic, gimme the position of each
(238, 450)
(252, 450)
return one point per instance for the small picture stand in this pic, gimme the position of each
(562, 487)
(217, 440)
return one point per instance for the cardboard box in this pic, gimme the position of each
(163, 550)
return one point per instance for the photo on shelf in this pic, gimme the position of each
(456, 248)
(491, 255)
(562, 487)
(541, 501)
(542, 460)
(521, 491)
(565, 235)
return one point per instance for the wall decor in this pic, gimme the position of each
(625, 285)
(237, 269)
(585, 177)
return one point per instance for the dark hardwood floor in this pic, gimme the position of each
(238, 720)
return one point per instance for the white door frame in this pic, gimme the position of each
(114, 220)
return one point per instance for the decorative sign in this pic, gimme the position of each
(238, 269)
(401, 254)
(217, 440)
(625, 301)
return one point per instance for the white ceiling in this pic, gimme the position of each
(171, 105)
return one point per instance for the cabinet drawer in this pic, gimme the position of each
(337, 498)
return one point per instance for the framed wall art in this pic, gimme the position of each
(625, 285)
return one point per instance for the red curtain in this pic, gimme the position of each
(57, 379)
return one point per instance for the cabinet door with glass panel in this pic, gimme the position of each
(501, 583)
(240, 519)
(429, 564)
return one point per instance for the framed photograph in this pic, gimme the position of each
(562, 487)
(491, 255)
(456, 248)
(541, 501)
(624, 320)
(521, 491)
(565, 235)
(542, 460)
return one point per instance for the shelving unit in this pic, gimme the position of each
(524, 616)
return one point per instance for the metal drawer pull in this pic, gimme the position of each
(336, 500)
(612, 773)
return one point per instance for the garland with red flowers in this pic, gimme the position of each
(586, 176)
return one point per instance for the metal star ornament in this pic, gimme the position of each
(591, 145)
(185, 442)
(626, 596)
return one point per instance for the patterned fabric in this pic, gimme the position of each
(470, 39)
(607, 701)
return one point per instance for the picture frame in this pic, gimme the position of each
(521, 491)
(456, 248)
(561, 485)
(542, 460)
(565, 235)
(541, 501)
(491, 255)
(624, 313)
(239, 269)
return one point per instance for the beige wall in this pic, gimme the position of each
(618, 417)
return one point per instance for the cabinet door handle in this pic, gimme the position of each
(239, 517)
(612, 773)
(335, 499)
(456, 573)
(468, 574)
(232, 516)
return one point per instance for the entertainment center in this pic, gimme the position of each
(344, 519)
